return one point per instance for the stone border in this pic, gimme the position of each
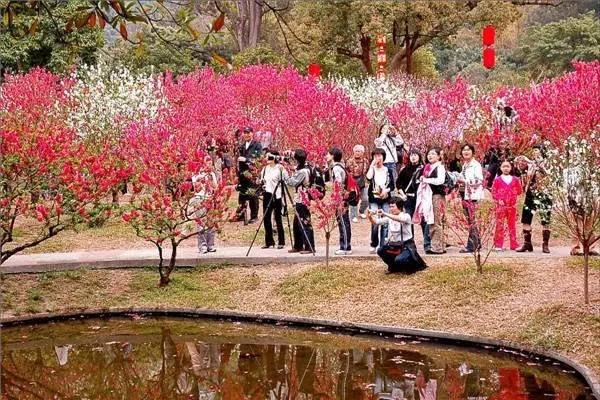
(343, 327)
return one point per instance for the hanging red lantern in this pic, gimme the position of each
(489, 57)
(314, 70)
(380, 40)
(489, 35)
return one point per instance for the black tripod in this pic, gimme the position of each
(286, 192)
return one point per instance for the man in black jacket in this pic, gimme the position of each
(249, 150)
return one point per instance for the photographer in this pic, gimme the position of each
(338, 174)
(248, 151)
(304, 240)
(392, 144)
(400, 252)
(537, 201)
(272, 176)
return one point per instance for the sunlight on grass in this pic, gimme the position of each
(320, 284)
(461, 283)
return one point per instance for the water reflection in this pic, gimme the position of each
(155, 359)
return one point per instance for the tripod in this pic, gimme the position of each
(286, 192)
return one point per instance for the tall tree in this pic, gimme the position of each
(36, 39)
(350, 27)
(549, 49)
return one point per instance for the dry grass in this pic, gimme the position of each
(533, 301)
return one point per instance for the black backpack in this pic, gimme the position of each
(316, 180)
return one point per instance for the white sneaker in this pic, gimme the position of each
(348, 252)
(498, 249)
(363, 216)
(203, 250)
(355, 220)
(372, 250)
(340, 252)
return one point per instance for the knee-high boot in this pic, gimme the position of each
(527, 246)
(546, 237)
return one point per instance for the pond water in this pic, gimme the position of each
(175, 358)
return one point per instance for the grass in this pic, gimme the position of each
(577, 262)
(461, 283)
(321, 284)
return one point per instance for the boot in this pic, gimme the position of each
(527, 246)
(546, 237)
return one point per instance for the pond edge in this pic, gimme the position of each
(341, 326)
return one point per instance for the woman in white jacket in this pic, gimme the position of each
(471, 181)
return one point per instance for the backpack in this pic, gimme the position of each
(449, 182)
(316, 180)
(351, 188)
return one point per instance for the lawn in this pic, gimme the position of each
(532, 301)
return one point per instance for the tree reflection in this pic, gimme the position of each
(168, 366)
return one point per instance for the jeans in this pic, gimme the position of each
(345, 230)
(268, 209)
(206, 238)
(362, 207)
(379, 232)
(469, 207)
(391, 166)
(304, 237)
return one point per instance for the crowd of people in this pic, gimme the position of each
(398, 187)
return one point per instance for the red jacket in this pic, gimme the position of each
(507, 193)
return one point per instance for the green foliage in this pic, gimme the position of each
(260, 54)
(549, 49)
(38, 40)
(424, 63)
(153, 54)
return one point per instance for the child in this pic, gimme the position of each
(204, 183)
(505, 191)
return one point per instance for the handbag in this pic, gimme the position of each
(395, 248)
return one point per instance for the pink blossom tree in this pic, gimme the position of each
(49, 180)
(166, 206)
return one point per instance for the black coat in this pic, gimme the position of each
(253, 152)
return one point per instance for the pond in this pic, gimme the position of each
(177, 358)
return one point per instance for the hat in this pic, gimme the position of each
(248, 129)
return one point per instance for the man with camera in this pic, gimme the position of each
(248, 151)
(272, 176)
(304, 238)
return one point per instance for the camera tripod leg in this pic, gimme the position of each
(262, 220)
(302, 227)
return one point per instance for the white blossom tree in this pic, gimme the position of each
(573, 181)
(105, 100)
(375, 95)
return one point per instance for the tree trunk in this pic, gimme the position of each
(327, 237)
(365, 46)
(586, 266)
(248, 23)
(164, 277)
(478, 261)
(409, 58)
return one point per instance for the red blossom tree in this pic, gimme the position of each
(166, 206)
(326, 210)
(49, 181)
